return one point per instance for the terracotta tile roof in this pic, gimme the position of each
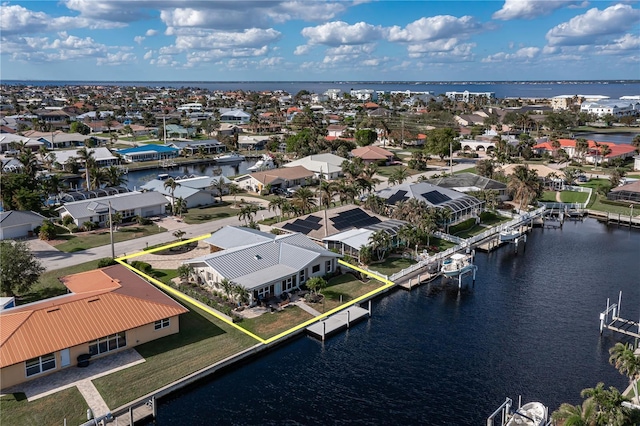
(109, 301)
(371, 153)
(288, 173)
(615, 149)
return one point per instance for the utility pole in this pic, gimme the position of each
(451, 157)
(113, 251)
(164, 127)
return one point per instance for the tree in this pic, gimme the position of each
(180, 206)
(608, 406)
(623, 357)
(227, 287)
(524, 185)
(184, 272)
(220, 186)
(381, 243)
(485, 168)
(247, 212)
(19, 269)
(441, 142)
(241, 294)
(303, 199)
(87, 157)
(636, 143)
(316, 284)
(47, 231)
(79, 127)
(114, 176)
(365, 137)
(326, 191)
(172, 185)
(576, 415)
(398, 176)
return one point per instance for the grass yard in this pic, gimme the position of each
(70, 243)
(574, 197)
(548, 197)
(387, 171)
(469, 170)
(51, 410)
(271, 324)
(597, 204)
(342, 289)
(391, 265)
(203, 340)
(207, 214)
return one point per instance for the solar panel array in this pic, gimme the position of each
(304, 226)
(354, 218)
(435, 197)
(398, 196)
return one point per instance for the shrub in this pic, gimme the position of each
(47, 231)
(141, 266)
(107, 261)
(67, 220)
(89, 226)
(72, 228)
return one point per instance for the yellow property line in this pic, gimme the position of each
(209, 310)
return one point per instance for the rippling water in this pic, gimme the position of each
(437, 356)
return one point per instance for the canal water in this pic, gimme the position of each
(439, 356)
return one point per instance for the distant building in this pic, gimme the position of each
(148, 152)
(616, 108)
(330, 165)
(467, 96)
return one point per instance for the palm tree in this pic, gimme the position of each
(180, 206)
(220, 186)
(304, 199)
(623, 357)
(376, 204)
(582, 146)
(247, 212)
(524, 185)
(398, 176)
(608, 405)
(29, 162)
(86, 155)
(326, 191)
(241, 294)
(116, 219)
(576, 415)
(276, 203)
(227, 287)
(172, 185)
(233, 189)
(380, 242)
(97, 176)
(114, 176)
(179, 233)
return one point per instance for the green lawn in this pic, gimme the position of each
(623, 208)
(344, 288)
(218, 211)
(271, 324)
(101, 237)
(391, 265)
(469, 170)
(50, 410)
(548, 197)
(203, 340)
(49, 285)
(387, 171)
(574, 197)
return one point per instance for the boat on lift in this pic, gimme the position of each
(530, 414)
(457, 265)
(232, 157)
(264, 163)
(509, 235)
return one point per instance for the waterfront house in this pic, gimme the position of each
(129, 205)
(149, 152)
(471, 182)
(58, 139)
(629, 192)
(177, 131)
(196, 191)
(15, 224)
(267, 267)
(107, 310)
(252, 143)
(593, 154)
(373, 154)
(460, 205)
(189, 148)
(285, 177)
(327, 164)
(103, 157)
(235, 116)
(9, 143)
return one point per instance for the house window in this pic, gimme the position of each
(327, 266)
(302, 277)
(163, 323)
(40, 364)
(289, 283)
(107, 344)
(315, 269)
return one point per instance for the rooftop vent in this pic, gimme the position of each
(257, 257)
(93, 300)
(53, 310)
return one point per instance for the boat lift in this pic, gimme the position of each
(618, 324)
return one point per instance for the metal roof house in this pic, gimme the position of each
(267, 266)
(194, 190)
(129, 205)
(148, 152)
(107, 310)
(18, 224)
(471, 182)
(461, 206)
(329, 165)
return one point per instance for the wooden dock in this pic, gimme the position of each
(338, 321)
(616, 323)
(616, 218)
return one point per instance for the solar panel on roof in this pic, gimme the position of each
(309, 224)
(435, 197)
(398, 196)
(296, 228)
(314, 219)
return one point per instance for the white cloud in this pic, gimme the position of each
(151, 33)
(587, 28)
(118, 58)
(254, 37)
(302, 50)
(20, 20)
(139, 39)
(148, 55)
(338, 33)
(530, 9)
(433, 28)
(523, 54)
(107, 10)
(628, 44)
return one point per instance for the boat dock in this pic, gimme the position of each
(616, 323)
(338, 321)
(616, 218)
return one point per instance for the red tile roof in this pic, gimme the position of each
(104, 302)
(616, 149)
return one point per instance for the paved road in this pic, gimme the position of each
(53, 259)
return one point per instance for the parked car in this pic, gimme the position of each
(279, 191)
(583, 178)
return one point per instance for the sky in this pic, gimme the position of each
(302, 40)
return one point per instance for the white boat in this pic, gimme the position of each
(232, 157)
(509, 235)
(457, 264)
(530, 414)
(265, 163)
